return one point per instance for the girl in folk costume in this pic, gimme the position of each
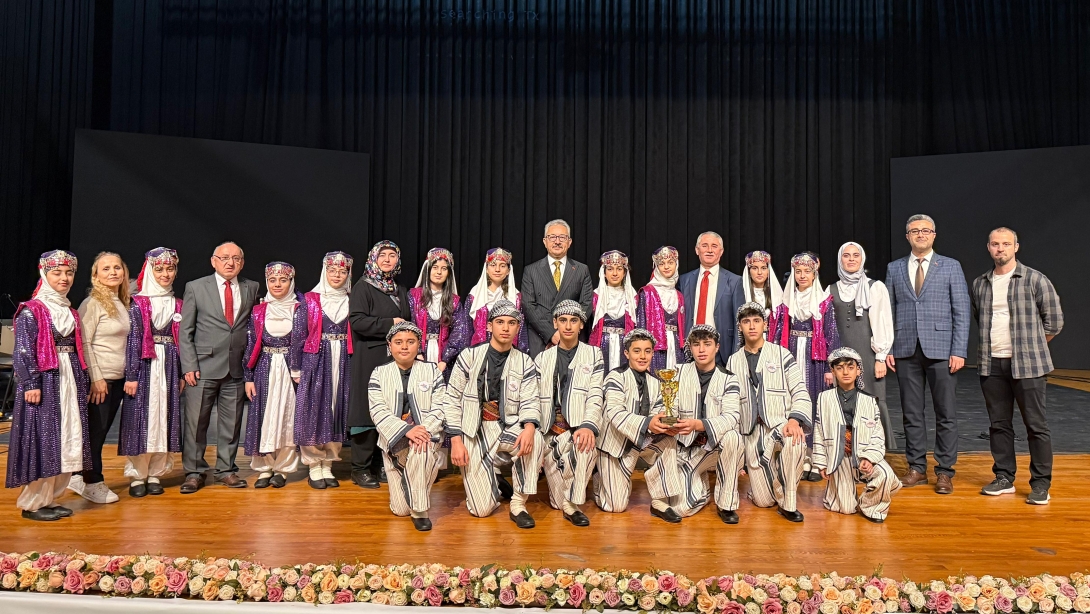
(151, 417)
(497, 283)
(271, 370)
(614, 309)
(805, 324)
(661, 310)
(437, 310)
(321, 406)
(759, 282)
(48, 441)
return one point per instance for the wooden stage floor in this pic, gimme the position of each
(927, 535)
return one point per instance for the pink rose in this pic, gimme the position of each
(114, 565)
(750, 580)
(8, 564)
(123, 585)
(176, 581)
(905, 605)
(303, 582)
(725, 583)
(1020, 591)
(434, 596)
(541, 598)
(275, 594)
(344, 596)
(612, 598)
(417, 582)
(517, 577)
(507, 596)
(772, 606)
(1002, 603)
(73, 582)
(734, 607)
(772, 590)
(348, 570)
(576, 594)
(809, 607)
(684, 597)
(442, 579)
(44, 562)
(1069, 591)
(944, 603)
(463, 577)
(634, 585)
(667, 583)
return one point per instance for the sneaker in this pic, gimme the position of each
(999, 486)
(1039, 496)
(76, 484)
(98, 493)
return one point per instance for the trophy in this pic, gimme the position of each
(669, 395)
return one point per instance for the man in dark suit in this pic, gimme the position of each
(713, 295)
(212, 339)
(550, 280)
(930, 302)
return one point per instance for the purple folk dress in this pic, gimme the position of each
(143, 340)
(321, 418)
(450, 339)
(258, 367)
(652, 316)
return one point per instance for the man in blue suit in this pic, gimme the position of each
(930, 302)
(713, 295)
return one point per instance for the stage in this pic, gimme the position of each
(927, 536)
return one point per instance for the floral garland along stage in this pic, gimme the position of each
(490, 586)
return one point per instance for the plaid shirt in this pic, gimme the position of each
(1034, 314)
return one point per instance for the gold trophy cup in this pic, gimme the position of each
(669, 395)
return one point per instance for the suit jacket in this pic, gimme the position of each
(207, 343)
(581, 401)
(540, 296)
(780, 394)
(721, 408)
(518, 403)
(728, 298)
(625, 426)
(371, 313)
(868, 438)
(426, 394)
(938, 317)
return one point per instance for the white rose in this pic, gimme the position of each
(973, 590)
(917, 599)
(909, 587)
(879, 607)
(752, 608)
(1063, 602)
(828, 607)
(788, 594)
(1007, 592)
(892, 606)
(872, 593)
(343, 580)
(325, 597)
(291, 593)
(560, 596)
(487, 600)
(937, 586)
(825, 582)
(665, 598)
(231, 575)
(227, 592)
(1083, 590)
(805, 584)
(847, 597)
(1024, 603)
(196, 585)
(505, 582)
(759, 595)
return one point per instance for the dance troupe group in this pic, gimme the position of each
(456, 382)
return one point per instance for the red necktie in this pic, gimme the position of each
(702, 302)
(228, 303)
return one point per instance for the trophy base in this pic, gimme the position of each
(668, 420)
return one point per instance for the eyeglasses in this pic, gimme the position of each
(557, 237)
(226, 259)
(927, 232)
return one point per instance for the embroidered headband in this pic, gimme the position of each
(569, 308)
(845, 352)
(340, 259)
(504, 308)
(440, 253)
(614, 257)
(497, 253)
(702, 328)
(758, 256)
(162, 255)
(638, 334)
(404, 327)
(751, 306)
(279, 268)
(57, 258)
(807, 260)
(666, 252)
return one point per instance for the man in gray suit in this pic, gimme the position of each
(930, 302)
(215, 312)
(550, 280)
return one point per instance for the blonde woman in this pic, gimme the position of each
(104, 322)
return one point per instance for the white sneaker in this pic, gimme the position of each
(99, 493)
(75, 484)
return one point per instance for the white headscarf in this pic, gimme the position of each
(666, 288)
(60, 308)
(772, 285)
(853, 286)
(334, 300)
(804, 304)
(435, 308)
(281, 308)
(481, 295)
(615, 302)
(161, 298)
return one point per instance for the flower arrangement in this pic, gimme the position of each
(435, 585)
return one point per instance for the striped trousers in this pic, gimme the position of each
(842, 497)
(696, 461)
(774, 465)
(613, 487)
(489, 449)
(567, 470)
(410, 475)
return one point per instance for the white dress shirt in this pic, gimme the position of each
(236, 297)
(912, 264)
(713, 286)
(563, 265)
(880, 316)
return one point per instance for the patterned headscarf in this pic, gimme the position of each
(479, 292)
(772, 285)
(846, 352)
(375, 276)
(436, 254)
(751, 306)
(146, 284)
(58, 304)
(615, 302)
(569, 308)
(666, 288)
(638, 334)
(702, 328)
(403, 327)
(504, 308)
(805, 304)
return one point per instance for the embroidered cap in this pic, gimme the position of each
(751, 306)
(702, 328)
(340, 259)
(638, 334)
(497, 253)
(440, 253)
(845, 352)
(279, 268)
(504, 308)
(614, 257)
(162, 255)
(807, 260)
(57, 258)
(569, 308)
(666, 252)
(758, 256)
(404, 327)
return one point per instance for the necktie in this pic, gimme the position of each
(556, 274)
(702, 303)
(919, 275)
(228, 303)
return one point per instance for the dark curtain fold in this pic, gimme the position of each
(642, 123)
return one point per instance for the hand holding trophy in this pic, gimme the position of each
(669, 395)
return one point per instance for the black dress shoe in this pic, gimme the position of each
(422, 524)
(524, 520)
(364, 479)
(262, 482)
(795, 516)
(278, 481)
(728, 516)
(61, 511)
(154, 488)
(506, 490)
(316, 484)
(331, 483)
(140, 490)
(578, 518)
(382, 475)
(812, 476)
(874, 520)
(44, 514)
(669, 515)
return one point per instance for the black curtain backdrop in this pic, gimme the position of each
(642, 123)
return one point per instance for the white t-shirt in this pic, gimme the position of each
(1001, 316)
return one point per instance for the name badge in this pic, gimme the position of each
(586, 369)
(771, 368)
(424, 386)
(176, 317)
(513, 387)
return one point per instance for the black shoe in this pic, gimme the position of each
(262, 482)
(154, 488)
(578, 518)
(316, 484)
(812, 476)
(44, 514)
(524, 520)
(422, 524)
(795, 516)
(331, 483)
(999, 486)
(874, 520)
(278, 481)
(364, 479)
(382, 475)
(506, 490)
(727, 516)
(140, 490)
(669, 515)
(61, 511)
